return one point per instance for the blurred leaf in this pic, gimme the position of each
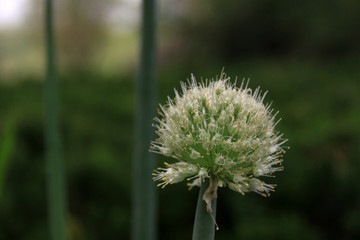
(7, 147)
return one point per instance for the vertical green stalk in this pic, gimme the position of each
(144, 207)
(55, 169)
(204, 225)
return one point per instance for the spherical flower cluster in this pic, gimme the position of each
(218, 131)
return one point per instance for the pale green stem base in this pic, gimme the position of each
(204, 225)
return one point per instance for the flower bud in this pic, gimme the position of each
(215, 129)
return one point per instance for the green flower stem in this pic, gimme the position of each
(204, 225)
(55, 169)
(144, 197)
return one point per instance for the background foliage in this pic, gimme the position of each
(306, 54)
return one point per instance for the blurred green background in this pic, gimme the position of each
(307, 54)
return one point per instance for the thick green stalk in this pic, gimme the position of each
(55, 169)
(204, 225)
(144, 200)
